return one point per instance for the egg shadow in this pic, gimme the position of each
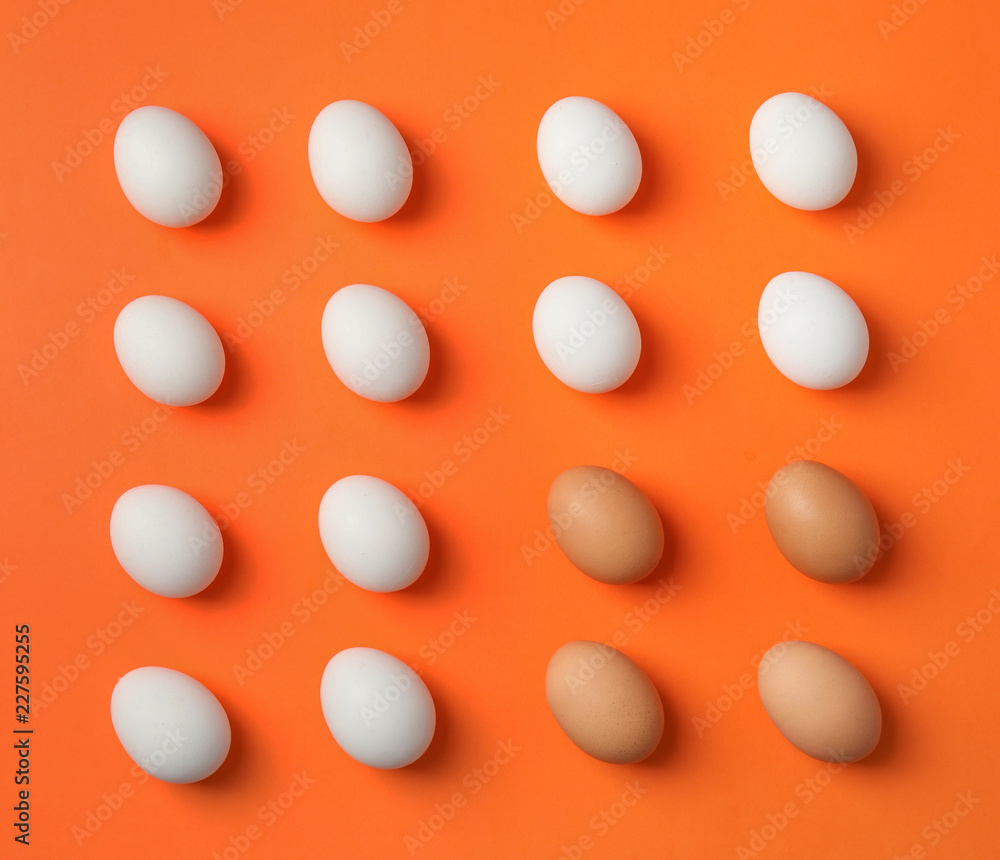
(432, 761)
(234, 202)
(431, 582)
(668, 742)
(234, 770)
(868, 171)
(885, 752)
(875, 369)
(647, 374)
(430, 390)
(884, 570)
(229, 584)
(233, 391)
(651, 184)
(419, 201)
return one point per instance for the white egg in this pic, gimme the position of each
(169, 351)
(802, 151)
(373, 533)
(588, 156)
(812, 330)
(167, 167)
(170, 724)
(359, 161)
(378, 709)
(375, 343)
(166, 540)
(586, 334)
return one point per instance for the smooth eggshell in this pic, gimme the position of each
(605, 524)
(359, 161)
(167, 167)
(375, 343)
(819, 702)
(165, 540)
(812, 331)
(170, 724)
(169, 351)
(604, 702)
(378, 709)
(821, 522)
(585, 334)
(802, 151)
(373, 533)
(588, 156)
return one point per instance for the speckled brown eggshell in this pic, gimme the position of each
(604, 524)
(821, 522)
(821, 704)
(604, 702)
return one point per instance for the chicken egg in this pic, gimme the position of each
(167, 167)
(170, 724)
(821, 704)
(586, 334)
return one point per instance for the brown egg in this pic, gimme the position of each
(604, 702)
(821, 522)
(819, 702)
(605, 524)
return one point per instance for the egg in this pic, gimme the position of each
(169, 351)
(802, 151)
(378, 709)
(588, 156)
(373, 533)
(165, 540)
(821, 704)
(359, 161)
(821, 522)
(586, 334)
(604, 702)
(167, 167)
(604, 524)
(812, 331)
(171, 725)
(375, 343)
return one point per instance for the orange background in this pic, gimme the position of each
(712, 787)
